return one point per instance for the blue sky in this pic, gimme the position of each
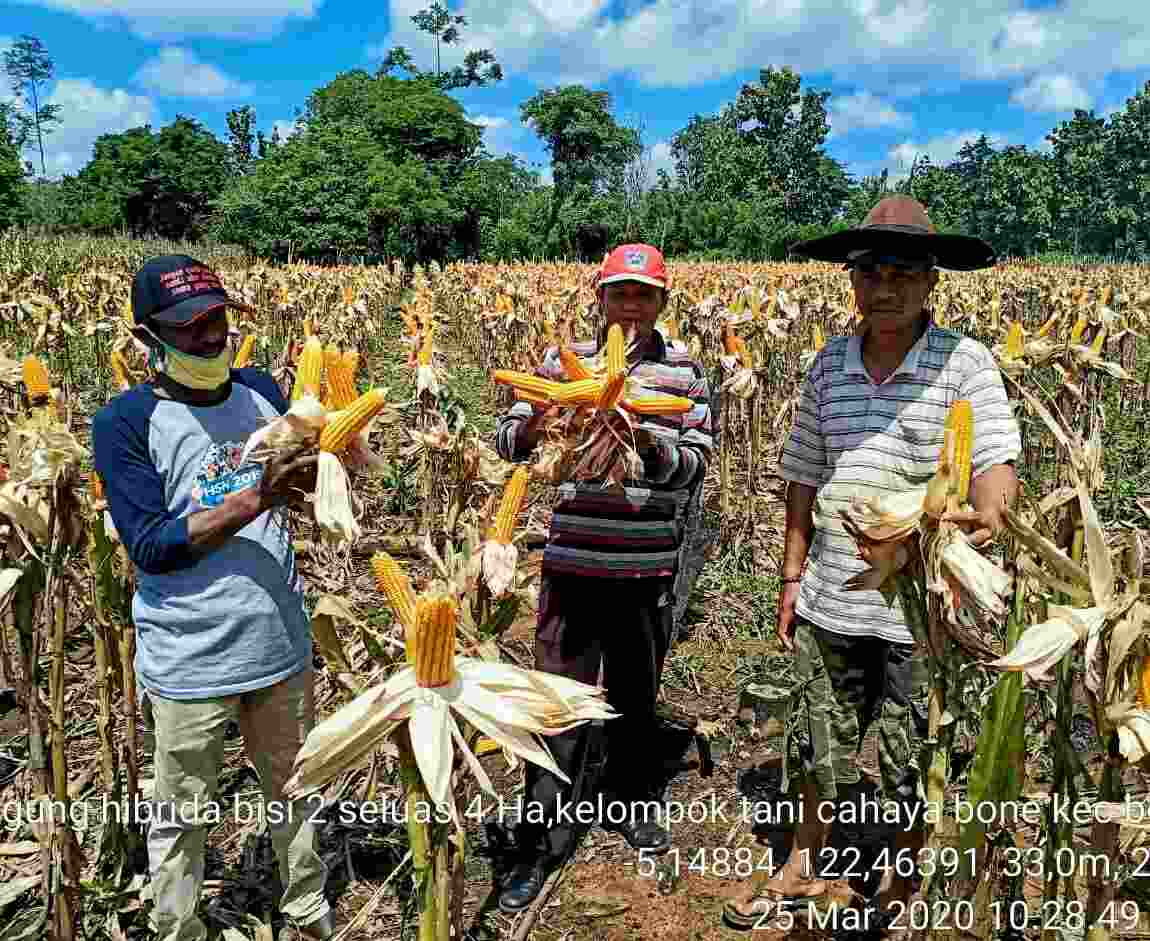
(906, 76)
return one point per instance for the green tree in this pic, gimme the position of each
(1127, 170)
(12, 184)
(479, 66)
(28, 66)
(242, 138)
(1081, 198)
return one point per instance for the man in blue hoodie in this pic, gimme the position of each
(219, 609)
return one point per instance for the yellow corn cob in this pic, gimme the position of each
(351, 363)
(513, 493)
(340, 383)
(96, 486)
(522, 395)
(959, 442)
(434, 656)
(1015, 344)
(1045, 329)
(485, 746)
(1144, 683)
(338, 432)
(526, 382)
(425, 349)
(120, 369)
(583, 392)
(658, 405)
(732, 345)
(1077, 330)
(818, 341)
(612, 391)
(309, 372)
(307, 328)
(573, 366)
(244, 353)
(36, 379)
(1096, 346)
(391, 580)
(616, 350)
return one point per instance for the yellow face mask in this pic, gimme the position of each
(195, 372)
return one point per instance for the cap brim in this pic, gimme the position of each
(642, 278)
(184, 312)
(954, 252)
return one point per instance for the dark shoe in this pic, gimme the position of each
(523, 885)
(642, 835)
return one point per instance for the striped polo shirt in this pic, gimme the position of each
(635, 531)
(854, 437)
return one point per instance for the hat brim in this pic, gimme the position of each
(642, 278)
(954, 252)
(184, 312)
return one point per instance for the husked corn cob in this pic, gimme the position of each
(525, 381)
(959, 442)
(36, 379)
(573, 366)
(1078, 329)
(509, 505)
(616, 349)
(426, 347)
(244, 353)
(818, 341)
(612, 391)
(120, 369)
(1015, 344)
(522, 395)
(1144, 683)
(485, 746)
(434, 656)
(395, 585)
(309, 372)
(337, 434)
(1096, 346)
(307, 328)
(583, 392)
(1047, 327)
(734, 346)
(340, 382)
(658, 405)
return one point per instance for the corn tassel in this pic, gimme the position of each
(338, 432)
(395, 586)
(36, 379)
(1144, 684)
(959, 443)
(309, 372)
(612, 392)
(1015, 344)
(509, 505)
(244, 353)
(573, 366)
(658, 405)
(434, 655)
(616, 350)
(525, 381)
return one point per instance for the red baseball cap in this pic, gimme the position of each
(635, 262)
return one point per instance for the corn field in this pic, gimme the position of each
(422, 346)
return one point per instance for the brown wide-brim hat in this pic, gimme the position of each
(898, 225)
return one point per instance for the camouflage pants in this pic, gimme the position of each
(842, 685)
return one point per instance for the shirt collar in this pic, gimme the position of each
(908, 367)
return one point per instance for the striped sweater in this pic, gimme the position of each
(855, 437)
(635, 532)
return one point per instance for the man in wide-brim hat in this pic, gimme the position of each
(870, 421)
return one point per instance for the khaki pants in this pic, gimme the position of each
(189, 753)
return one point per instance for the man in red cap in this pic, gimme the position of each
(609, 569)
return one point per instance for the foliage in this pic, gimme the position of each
(479, 66)
(12, 185)
(28, 66)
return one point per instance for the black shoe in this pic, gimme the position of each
(642, 835)
(523, 885)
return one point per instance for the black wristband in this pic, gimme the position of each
(792, 580)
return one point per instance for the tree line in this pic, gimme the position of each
(386, 164)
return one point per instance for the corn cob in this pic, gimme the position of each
(583, 392)
(434, 656)
(959, 442)
(244, 353)
(36, 379)
(120, 369)
(1144, 683)
(394, 584)
(1015, 344)
(1045, 329)
(1078, 329)
(341, 384)
(307, 328)
(95, 487)
(574, 366)
(485, 746)
(426, 348)
(309, 372)
(616, 350)
(818, 341)
(522, 395)
(612, 392)
(525, 381)
(338, 432)
(658, 405)
(731, 343)
(1096, 346)
(509, 505)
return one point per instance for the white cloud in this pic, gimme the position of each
(174, 20)
(489, 121)
(86, 112)
(1052, 93)
(863, 111)
(941, 149)
(285, 128)
(177, 71)
(891, 41)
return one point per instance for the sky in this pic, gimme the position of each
(906, 77)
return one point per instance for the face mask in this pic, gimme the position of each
(195, 372)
